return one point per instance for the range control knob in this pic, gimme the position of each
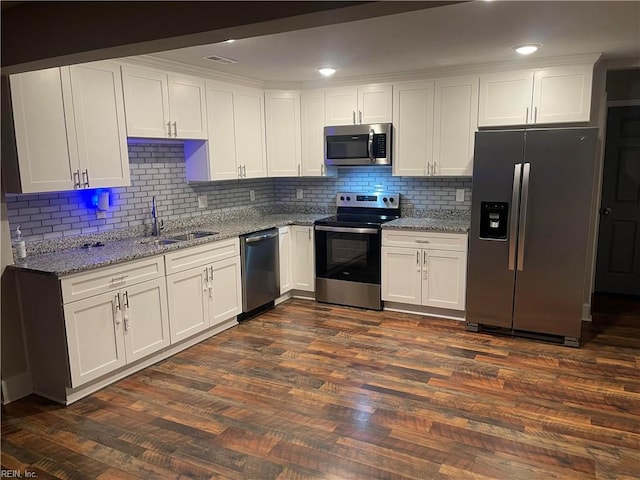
(391, 200)
(385, 199)
(348, 199)
(342, 198)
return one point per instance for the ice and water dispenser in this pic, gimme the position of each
(493, 220)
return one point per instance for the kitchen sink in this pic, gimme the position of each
(191, 235)
(179, 238)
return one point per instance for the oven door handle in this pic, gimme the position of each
(368, 231)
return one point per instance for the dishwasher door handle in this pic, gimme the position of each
(259, 238)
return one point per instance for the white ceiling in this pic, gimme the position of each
(477, 32)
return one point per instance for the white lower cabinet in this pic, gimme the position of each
(302, 258)
(203, 286)
(424, 268)
(284, 246)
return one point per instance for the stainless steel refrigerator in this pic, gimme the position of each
(532, 195)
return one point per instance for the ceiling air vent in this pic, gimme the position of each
(222, 60)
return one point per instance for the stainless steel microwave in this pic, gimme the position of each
(358, 144)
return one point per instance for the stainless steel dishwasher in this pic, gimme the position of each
(260, 271)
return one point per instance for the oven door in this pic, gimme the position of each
(348, 253)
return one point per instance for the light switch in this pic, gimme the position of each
(459, 194)
(252, 195)
(299, 194)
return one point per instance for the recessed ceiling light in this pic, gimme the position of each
(327, 71)
(231, 40)
(527, 48)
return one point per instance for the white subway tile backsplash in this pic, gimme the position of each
(159, 170)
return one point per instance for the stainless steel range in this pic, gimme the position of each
(348, 249)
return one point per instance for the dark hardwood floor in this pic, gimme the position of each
(312, 391)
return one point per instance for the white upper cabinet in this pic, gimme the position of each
(69, 128)
(312, 132)
(455, 123)
(413, 124)
(250, 132)
(160, 105)
(562, 94)
(282, 109)
(530, 97)
(236, 136)
(358, 105)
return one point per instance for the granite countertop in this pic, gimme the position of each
(78, 259)
(450, 225)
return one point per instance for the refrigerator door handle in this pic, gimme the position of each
(523, 215)
(515, 206)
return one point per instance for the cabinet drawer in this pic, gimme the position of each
(418, 239)
(87, 284)
(201, 255)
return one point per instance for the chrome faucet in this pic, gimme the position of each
(157, 226)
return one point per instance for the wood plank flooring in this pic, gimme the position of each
(313, 391)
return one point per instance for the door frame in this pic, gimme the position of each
(598, 196)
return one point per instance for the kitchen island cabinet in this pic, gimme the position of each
(69, 127)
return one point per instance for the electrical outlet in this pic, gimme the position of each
(202, 201)
(459, 194)
(252, 195)
(299, 194)
(101, 214)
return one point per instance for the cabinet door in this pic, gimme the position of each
(145, 318)
(401, 275)
(146, 102)
(341, 105)
(188, 305)
(444, 279)
(98, 109)
(455, 123)
(505, 98)
(562, 94)
(94, 337)
(219, 163)
(413, 123)
(45, 136)
(374, 104)
(187, 108)
(282, 110)
(225, 292)
(284, 239)
(250, 133)
(302, 258)
(312, 133)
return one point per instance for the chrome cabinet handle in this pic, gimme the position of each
(354, 116)
(515, 205)
(119, 279)
(523, 215)
(535, 114)
(211, 282)
(244, 171)
(422, 241)
(85, 178)
(118, 311)
(175, 129)
(526, 116)
(322, 169)
(298, 169)
(125, 295)
(424, 263)
(76, 179)
(360, 117)
(168, 129)
(239, 171)
(418, 259)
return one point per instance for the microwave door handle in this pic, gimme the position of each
(370, 146)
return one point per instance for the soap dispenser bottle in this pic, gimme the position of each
(21, 249)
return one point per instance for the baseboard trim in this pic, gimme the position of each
(421, 310)
(16, 387)
(586, 312)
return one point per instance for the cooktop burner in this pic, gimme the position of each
(358, 209)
